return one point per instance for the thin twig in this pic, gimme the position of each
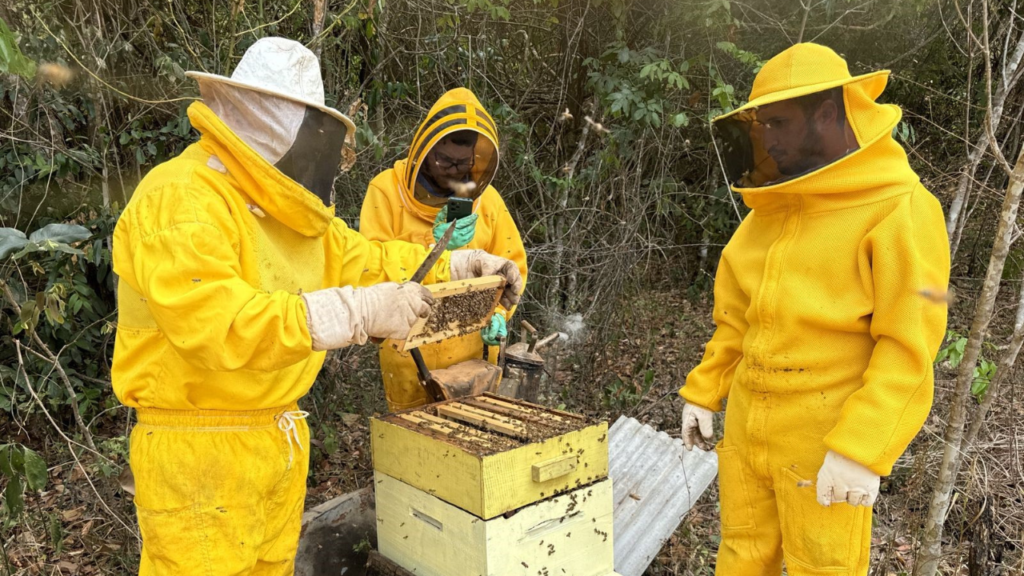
(97, 78)
(71, 443)
(51, 357)
(990, 119)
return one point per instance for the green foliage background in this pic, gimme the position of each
(637, 204)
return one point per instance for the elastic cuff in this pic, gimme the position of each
(715, 406)
(843, 449)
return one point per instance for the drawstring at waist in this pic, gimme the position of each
(286, 423)
(213, 421)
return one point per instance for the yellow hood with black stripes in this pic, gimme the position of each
(458, 109)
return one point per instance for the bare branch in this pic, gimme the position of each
(990, 116)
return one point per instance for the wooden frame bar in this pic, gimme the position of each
(418, 335)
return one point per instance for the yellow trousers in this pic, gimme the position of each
(219, 493)
(767, 465)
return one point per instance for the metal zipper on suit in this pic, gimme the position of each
(761, 405)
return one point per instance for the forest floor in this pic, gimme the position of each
(83, 523)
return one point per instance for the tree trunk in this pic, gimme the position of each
(236, 8)
(319, 12)
(105, 112)
(705, 238)
(963, 188)
(1005, 368)
(1010, 77)
(931, 542)
(562, 219)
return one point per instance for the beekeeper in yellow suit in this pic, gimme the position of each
(825, 336)
(454, 153)
(234, 278)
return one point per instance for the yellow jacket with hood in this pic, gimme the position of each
(211, 262)
(391, 212)
(819, 293)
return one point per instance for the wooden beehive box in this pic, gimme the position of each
(569, 535)
(460, 307)
(489, 455)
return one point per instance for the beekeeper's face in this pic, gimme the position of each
(451, 159)
(784, 140)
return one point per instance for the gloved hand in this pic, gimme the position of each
(338, 317)
(697, 430)
(495, 330)
(467, 264)
(465, 229)
(843, 480)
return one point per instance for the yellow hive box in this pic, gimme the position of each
(488, 454)
(569, 535)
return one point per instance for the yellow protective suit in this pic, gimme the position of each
(392, 212)
(213, 348)
(823, 341)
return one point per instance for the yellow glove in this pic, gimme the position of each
(697, 430)
(467, 264)
(843, 480)
(339, 317)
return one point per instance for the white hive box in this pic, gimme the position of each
(568, 535)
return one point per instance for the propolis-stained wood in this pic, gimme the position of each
(446, 294)
(489, 455)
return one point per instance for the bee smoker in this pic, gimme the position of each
(523, 366)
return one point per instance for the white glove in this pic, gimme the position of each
(338, 317)
(843, 480)
(697, 429)
(476, 263)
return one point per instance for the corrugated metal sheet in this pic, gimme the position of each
(656, 482)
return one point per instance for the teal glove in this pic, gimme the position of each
(465, 229)
(495, 330)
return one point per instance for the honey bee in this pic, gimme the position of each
(936, 296)
(55, 75)
(597, 127)
(462, 189)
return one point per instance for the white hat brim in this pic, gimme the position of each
(264, 90)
